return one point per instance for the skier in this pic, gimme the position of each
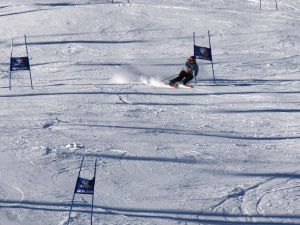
(186, 74)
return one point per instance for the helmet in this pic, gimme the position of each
(192, 59)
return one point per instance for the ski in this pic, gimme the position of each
(181, 85)
(186, 85)
(174, 85)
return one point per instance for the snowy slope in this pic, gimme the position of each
(224, 153)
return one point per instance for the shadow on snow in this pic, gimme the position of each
(188, 132)
(82, 42)
(144, 93)
(23, 12)
(162, 214)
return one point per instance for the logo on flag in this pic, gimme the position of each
(19, 63)
(85, 186)
(202, 53)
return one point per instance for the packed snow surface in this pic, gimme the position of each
(224, 152)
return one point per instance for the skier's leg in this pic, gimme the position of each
(178, 78)
(187, 78)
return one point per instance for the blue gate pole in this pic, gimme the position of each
(74, 192)
(212, 63)
(28, 61)
(11, 50)
(93, 193)
(194, 40)
(276, 5)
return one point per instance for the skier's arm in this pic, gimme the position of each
(187, 67)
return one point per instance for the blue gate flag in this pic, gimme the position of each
(202, 53)
(85, 186)
(19, 63)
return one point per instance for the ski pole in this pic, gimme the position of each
(169, 77)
